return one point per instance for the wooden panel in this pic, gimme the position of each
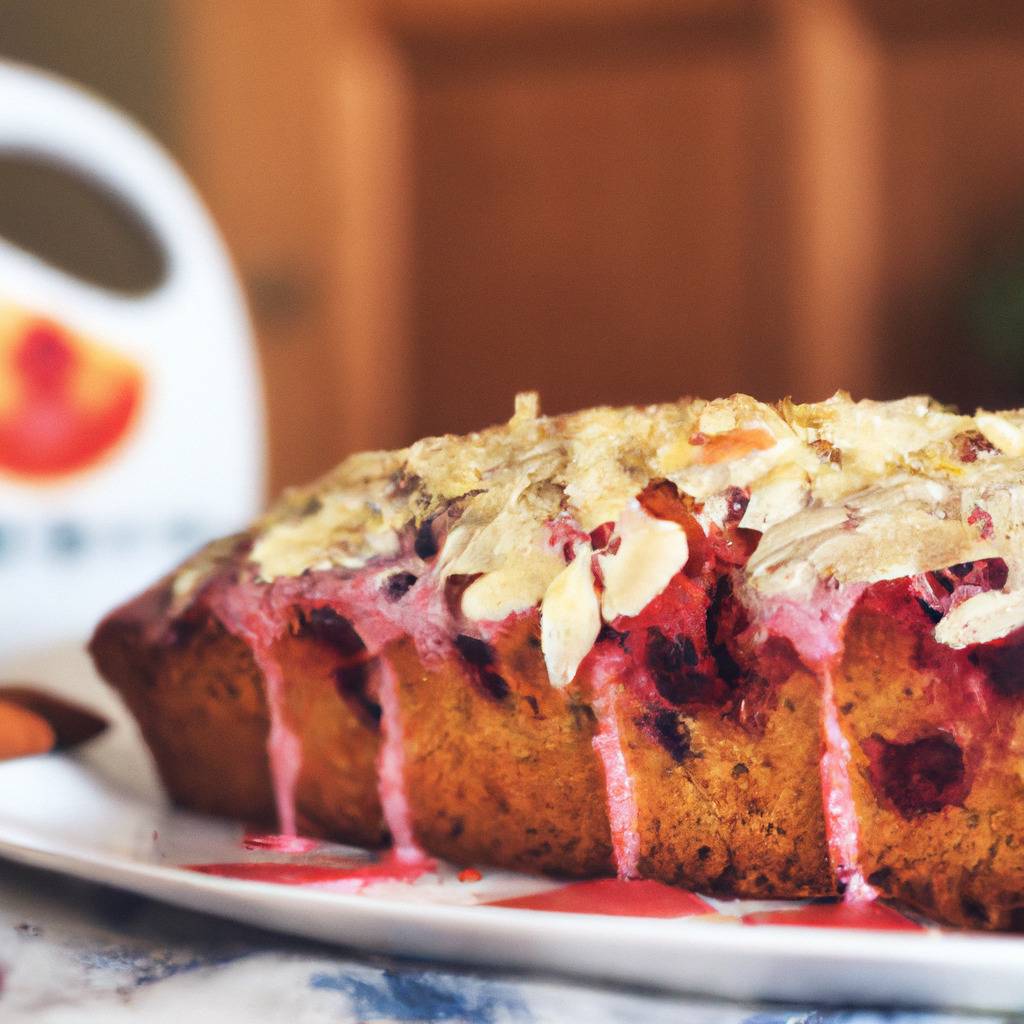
(448, 19)
(943, 19)
(437, 203)
(370, 148)
(954, 211)
(256, 97)
(829, 72)
(593, 220)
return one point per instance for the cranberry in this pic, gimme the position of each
(980, 518)
(476, 652)
(736, 501)
(673, 734)
(933, 613)
(919, 777)
(614, 636)
(937, 591)
(182, 631)
(327, 626)
(1003, 662)
(672, 661)
(398, 585)
(970, 444)
(995, 573)
(728, 668)
(481, 656)
(600, 536)
(493, 685)
(350, 681)
(425, 545)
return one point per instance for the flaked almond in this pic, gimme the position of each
(776, 497)
(512, 588)
(981, 618)
(1002, 432)
(570, 618)
(651, 552)
(527, 406)
(23, 733)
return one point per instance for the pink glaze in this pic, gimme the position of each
(814, 626)
(259, 615)
(842, 829)
(278, 843)
(875, 916)
(420, 614)
(245, 611)
(340, 875)
(394, 799)
(815, 629)
(621, 798)
(616, 897)
(284, 748)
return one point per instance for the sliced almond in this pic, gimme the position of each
(512, 588)
(570, 618)
(651, 552)
(777, 497)
(982, 618)
(1002, 431)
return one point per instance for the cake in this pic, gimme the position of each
(756, 650)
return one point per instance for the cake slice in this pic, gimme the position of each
(755, 650)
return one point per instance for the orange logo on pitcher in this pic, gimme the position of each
(64, 402)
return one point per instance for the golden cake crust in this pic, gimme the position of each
(723, 644)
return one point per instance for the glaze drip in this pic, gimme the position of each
(394, 799)
(841, 824)
(247, 613)
(815, 629)
(284, 748)
(620, 792)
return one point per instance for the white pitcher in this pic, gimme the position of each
(166, 383)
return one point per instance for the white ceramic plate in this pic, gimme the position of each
(99, 815)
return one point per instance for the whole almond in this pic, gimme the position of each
(23, 732)
(73, 723)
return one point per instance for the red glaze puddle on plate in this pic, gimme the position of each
(871, 915)
(356, 873)
(278, 843)
(641, 898)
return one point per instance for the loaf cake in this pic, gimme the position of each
(765, 651)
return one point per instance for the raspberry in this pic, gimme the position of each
(920, 777)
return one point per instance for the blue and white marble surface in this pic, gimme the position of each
(76, 953)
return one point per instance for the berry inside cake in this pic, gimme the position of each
(769, 651)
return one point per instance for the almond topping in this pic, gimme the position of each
(570, 618)
(651, 553)
(981, 618)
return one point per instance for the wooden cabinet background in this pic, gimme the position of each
(435, 203)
